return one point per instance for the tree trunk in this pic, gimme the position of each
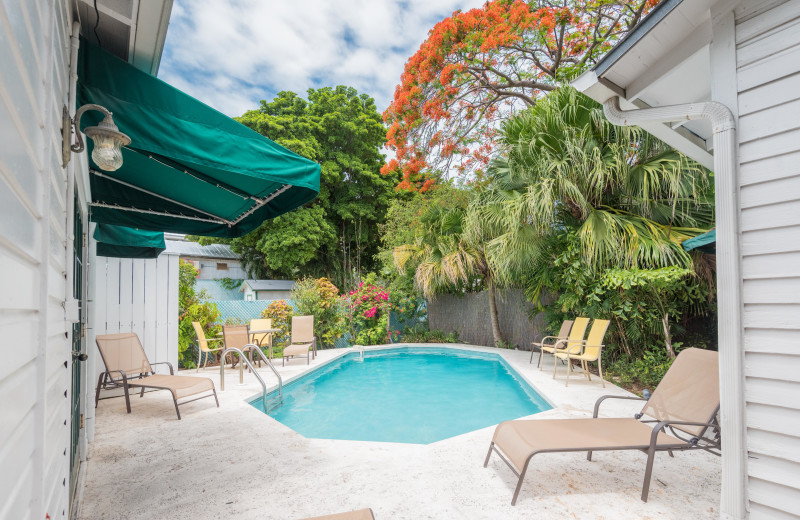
(498, 337)
(668, 336)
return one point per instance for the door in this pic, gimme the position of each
(78, 355)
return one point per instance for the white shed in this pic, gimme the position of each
(733, 67)
(266, 289)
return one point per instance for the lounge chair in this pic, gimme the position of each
(553, 342)
(123, 354)
(361, 514)
(202, 345)
(575, 338)
(586, 352)
(303, 340)
(264, 338)
(684, 407)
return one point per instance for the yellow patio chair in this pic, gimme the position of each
(574, 340)
(557, 341)
(202, 345)
(264, 338)
(586, 351)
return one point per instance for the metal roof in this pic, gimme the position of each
(193, 249)
(269, 285)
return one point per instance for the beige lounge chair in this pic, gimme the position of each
(202, 345)
(264, 338)
(361, 514)
(683, 407)
(123, 355)
(586, 352)
(303, 340)
(575, 338)
(554, 342)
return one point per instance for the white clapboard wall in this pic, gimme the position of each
(132, 295)
(768, 81)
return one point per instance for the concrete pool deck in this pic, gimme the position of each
(236, 462)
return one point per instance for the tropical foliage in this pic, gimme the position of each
(479, 66)
(368, 308)
(192, 306)
(280, 312)
(320, 298)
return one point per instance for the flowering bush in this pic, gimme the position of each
(281, 314)
(320, 298)
(368, 309)
(193, 305)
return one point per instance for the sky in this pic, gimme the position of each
(231, 54)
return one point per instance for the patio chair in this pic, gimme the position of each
(361, 514)
(683, 407)
(586, 352)
(554, 342)
(123, 354)
(237, 336)
(303, 340)
(264, 337)
(202, 345)
(574, 339)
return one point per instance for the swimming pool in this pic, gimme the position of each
(413, 395)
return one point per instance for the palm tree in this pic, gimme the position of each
(631, 198)
(451, 254)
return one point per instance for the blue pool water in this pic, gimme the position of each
(411, 395)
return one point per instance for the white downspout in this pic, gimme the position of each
(729, 285)
(70, 304)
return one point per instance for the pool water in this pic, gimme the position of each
(410, 395)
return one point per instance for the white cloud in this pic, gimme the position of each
(233, 53)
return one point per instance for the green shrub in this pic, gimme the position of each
(281, 314)
(320, 298)
(368, 309)
(421, 334)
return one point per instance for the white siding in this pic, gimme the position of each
(35, 372)
(768, 80)
(133, 295)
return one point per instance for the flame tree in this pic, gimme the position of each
(480, 66)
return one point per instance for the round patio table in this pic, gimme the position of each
(263, 332)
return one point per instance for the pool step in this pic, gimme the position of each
(273, 404)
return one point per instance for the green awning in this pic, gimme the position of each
(125, 242)
(707, 242)
(188, 169)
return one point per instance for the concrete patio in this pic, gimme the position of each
(236, 462)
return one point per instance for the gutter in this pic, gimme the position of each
(729, 284)
(71, 305)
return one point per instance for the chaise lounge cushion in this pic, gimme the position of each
(180, 386)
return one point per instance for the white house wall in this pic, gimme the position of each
(132, 295)
(768, 83)
(35, 372)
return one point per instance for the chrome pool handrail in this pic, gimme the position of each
(242, 358)
(274, 370)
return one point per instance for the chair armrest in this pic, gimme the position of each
(603, 398)
(214, 339)
(541, 341)
(693, 441)
(171, 370)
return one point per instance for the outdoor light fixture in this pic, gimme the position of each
(108, 140)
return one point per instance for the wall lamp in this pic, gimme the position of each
(108, 140)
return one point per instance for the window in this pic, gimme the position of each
(222, 267)
(249, 297)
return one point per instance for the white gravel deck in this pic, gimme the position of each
(236, 462)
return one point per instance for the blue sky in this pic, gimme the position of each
(231, 54)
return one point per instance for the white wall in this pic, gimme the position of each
(132, 295)
(36, 367)
(274, 295)
(768, 82)
(209, 271)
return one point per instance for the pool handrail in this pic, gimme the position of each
(243, 359)
(274, 370)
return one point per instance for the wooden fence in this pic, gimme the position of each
(468, 315)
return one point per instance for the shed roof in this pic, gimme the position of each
(193, 249)
(268, 285)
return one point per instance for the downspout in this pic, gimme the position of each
(729, 285)
(71, 305)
